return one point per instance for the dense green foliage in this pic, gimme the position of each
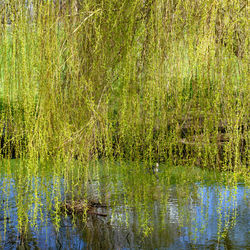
(141, 80)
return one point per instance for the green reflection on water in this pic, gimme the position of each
(128, 194)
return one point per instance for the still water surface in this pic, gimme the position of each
(144, 211)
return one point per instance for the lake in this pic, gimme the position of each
(131, 207)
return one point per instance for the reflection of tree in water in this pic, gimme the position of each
(10, 238)
(100, 234)
(140, 211)
(173, 214)
(111, 233)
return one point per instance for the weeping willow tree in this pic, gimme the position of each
(141, 80)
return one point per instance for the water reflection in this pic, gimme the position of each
(142, 213)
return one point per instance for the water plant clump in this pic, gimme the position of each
(121, 81)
